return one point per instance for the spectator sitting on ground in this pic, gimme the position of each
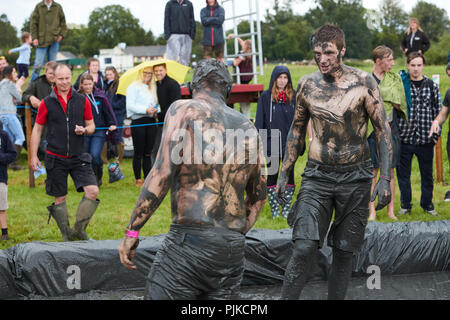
(23, 62)
(10, 93)
(439, 121)
(415, 39)
(93, 68)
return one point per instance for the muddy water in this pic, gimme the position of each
(423, 286)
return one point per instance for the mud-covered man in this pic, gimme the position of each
(209, 156)
(339, 101)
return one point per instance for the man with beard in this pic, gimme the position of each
(202, 256)
(339, 101)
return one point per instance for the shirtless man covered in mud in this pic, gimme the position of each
(339, 100)
(209, 156)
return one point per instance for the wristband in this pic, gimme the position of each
(132, 234)
(385, 178)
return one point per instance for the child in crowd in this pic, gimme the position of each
(24, 50)
(7, 156)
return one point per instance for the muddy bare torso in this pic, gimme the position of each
(338, 116)
(208, 186)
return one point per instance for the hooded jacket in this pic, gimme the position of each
(179, 19)
(212, 20)
(271, 114)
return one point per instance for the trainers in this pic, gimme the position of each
(404, 211)
(447, 196)
(432, 212)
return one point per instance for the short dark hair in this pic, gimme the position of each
(7, 72)
(212, 74)
(448, 67)
(329, 33)
(413, 55)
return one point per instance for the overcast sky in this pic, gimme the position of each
(151, 12)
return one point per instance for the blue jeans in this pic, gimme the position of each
(94, 145)
(424, 154)
(13, 126)
(41, 54)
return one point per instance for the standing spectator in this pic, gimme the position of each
(23, 62)
(93, 68)
(245, 64)
(179, 30)
(141, 108)
(48, 28)
(168, 91)
(415, 39)
(36, 91)
(394, 101)
(103, 117)
(212, 17)
(118, 103)
(440, 119)
(7, 155)
(10, 94)
(275, 111)
(414, 134)
(68, 117)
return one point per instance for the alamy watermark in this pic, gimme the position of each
(374, 280)
(74, 279)
(230, 146)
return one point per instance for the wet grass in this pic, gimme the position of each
(27, 215)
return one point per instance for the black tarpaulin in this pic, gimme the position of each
(47, 269)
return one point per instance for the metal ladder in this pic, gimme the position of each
(257, 55)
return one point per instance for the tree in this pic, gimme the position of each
(392, 25)
(8, 34)
(109, 26)
(349, 15)
(433, 20)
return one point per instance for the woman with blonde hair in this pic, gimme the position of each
(415, 39)
(142, 108)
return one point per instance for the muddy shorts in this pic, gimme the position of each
(197, 262)
(324, 189)
(58, 170)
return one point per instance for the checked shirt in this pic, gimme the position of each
(425, 106)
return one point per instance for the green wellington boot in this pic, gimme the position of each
(61, 215)
(85, 211)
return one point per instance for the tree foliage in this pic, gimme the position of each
(8, 34)
(433, 20)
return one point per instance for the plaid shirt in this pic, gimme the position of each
(425, 106)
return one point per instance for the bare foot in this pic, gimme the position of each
(372, 216)
(392, 216)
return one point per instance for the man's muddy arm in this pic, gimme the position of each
(375, 109)
(295, 144)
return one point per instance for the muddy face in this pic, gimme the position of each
(328, 58)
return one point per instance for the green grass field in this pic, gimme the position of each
(27, 214)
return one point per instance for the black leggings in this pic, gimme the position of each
(143, 141)
(272, 179)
